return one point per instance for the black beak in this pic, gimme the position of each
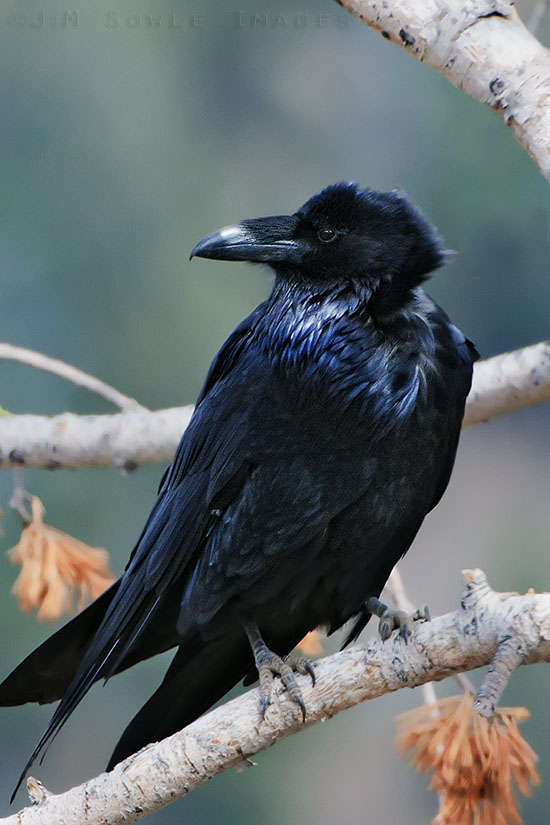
(268, 240)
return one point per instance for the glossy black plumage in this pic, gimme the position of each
(325, 432)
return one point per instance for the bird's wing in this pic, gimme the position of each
(239, 416)
(270, 531)
(222, 366)
(168, 540)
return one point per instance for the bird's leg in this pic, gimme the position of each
(268, 665)
(392, 618)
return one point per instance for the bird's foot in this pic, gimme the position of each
(269, 665)
(391, 618)
(284, 667)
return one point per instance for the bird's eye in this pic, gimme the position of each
(326, 235)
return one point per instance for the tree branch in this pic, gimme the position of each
(472, 636)
(483, 48)
(508, 382)
(69, 441)
(502, 384)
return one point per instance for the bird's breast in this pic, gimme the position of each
(334, 363)
(339, 370)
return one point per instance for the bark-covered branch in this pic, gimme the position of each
(501, 384)
(483, 48)
(69, 441)
(499, 629)
(508, 382)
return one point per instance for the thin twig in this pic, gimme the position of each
(465, 683)
(20, 497)
(8, 352)
(537, 15)
(396, 587)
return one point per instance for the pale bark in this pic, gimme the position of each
(70, 441)
(500, 629)
(483, 48)
(126, 440)
(508, 382)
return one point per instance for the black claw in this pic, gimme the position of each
(264, 704)
(385, 630)
(269, 665)
(308, 666)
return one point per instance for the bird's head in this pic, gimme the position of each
(342, 234)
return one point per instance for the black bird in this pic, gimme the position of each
(325, 432)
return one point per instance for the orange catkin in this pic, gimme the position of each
(56, 569)
(475, 763)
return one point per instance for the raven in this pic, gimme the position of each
(325, 432)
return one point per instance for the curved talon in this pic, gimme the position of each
(269, 665)
(272, 666)
(265, 701)
(422, 614)
(385, 628)
(309, 669)
(392, 619)
(303, 666)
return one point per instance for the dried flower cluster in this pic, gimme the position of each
(475, 762)
(56, 569)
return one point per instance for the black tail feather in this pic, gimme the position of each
(46, 673)
(199, 675)
(67, 664)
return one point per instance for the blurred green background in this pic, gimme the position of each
(122, 142)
